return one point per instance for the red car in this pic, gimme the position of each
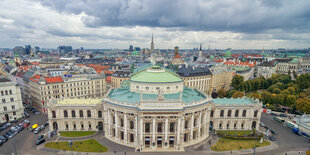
(26, 124)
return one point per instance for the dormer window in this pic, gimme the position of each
(137, 87)
(147, 88)
(157, 88)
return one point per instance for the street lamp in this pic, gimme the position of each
(70, 144)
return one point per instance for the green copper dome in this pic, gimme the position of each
(155, 74)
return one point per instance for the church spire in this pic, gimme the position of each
(152, 44)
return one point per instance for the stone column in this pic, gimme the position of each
(192, 127)
(116, 124)
(136, 130)
(109, 124)
(154, 130)
(166, 132)
(199, 123)
(125, 128)
(141, 132)
(179, 132)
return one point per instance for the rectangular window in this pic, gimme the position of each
(3, 100)
(13, 107)
(12, 99)
(5, 109)
(14, 113)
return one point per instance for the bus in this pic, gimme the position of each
(291, 124)
(279, 119)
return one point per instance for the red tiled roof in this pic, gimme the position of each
(35, 63)
(20, 74)
(108, 79)
(56, 79)
(35, 78)
(177, 56)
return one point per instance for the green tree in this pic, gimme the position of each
(266, 97)
(221, 93)
(255, 95)
(238, 94)
(290, 100)
(276, 91)
(238, 82)
(303, 104)
(285, 92)
(303, 81)
(291, 90)
(278, 99)
(230, 93)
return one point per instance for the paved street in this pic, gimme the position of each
(286, 139)
(25, 140)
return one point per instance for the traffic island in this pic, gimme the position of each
(90, 145)
(76, 133)
(226, 144)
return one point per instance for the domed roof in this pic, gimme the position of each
(155, 74)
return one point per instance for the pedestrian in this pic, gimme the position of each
(125, 153)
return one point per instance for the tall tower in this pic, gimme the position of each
(200, 51)
(152, 45)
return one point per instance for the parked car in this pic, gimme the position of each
(273, 132)
(40, 141)
(26, 114)
(46, 124)
(262, 124)
(3, 139)
(40, 137)
(42, 127)
(283, 115)
(274, 114)
(37, 112)
(37, 130)
(26, 124)
(272, 138)
(14, 121)
(26, 121)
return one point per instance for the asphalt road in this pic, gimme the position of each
(25, 140)
(285, 138)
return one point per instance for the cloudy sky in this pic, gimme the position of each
(239, 24)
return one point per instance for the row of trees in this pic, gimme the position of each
(277, 90)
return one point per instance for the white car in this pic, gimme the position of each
(262, 124)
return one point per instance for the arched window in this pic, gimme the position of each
(227, 125)
(88, 113)
(211, 114)
(186, 124)
(220, 125)
(65, 113)
(242, 125)
(243, 113)
(6, 92)
(81, 113)
(99, 113)
(132, 138)
(195, 122)
(229, 113)
(122, 122)
(222, 113)
(131, 124)
(255, 113)
(73, 113)
(237, 113)
(53, 114)
(235, 125)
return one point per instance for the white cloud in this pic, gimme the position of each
(30, 22)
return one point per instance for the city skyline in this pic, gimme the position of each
(103, 24)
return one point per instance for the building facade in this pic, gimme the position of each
(11, 107)
(76, 86)
(118, 78)
(155, 113)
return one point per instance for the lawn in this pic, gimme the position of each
(235, 132)
(76, 133)
(224, 144)
(79, 146)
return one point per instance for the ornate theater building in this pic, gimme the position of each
(154, 111)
